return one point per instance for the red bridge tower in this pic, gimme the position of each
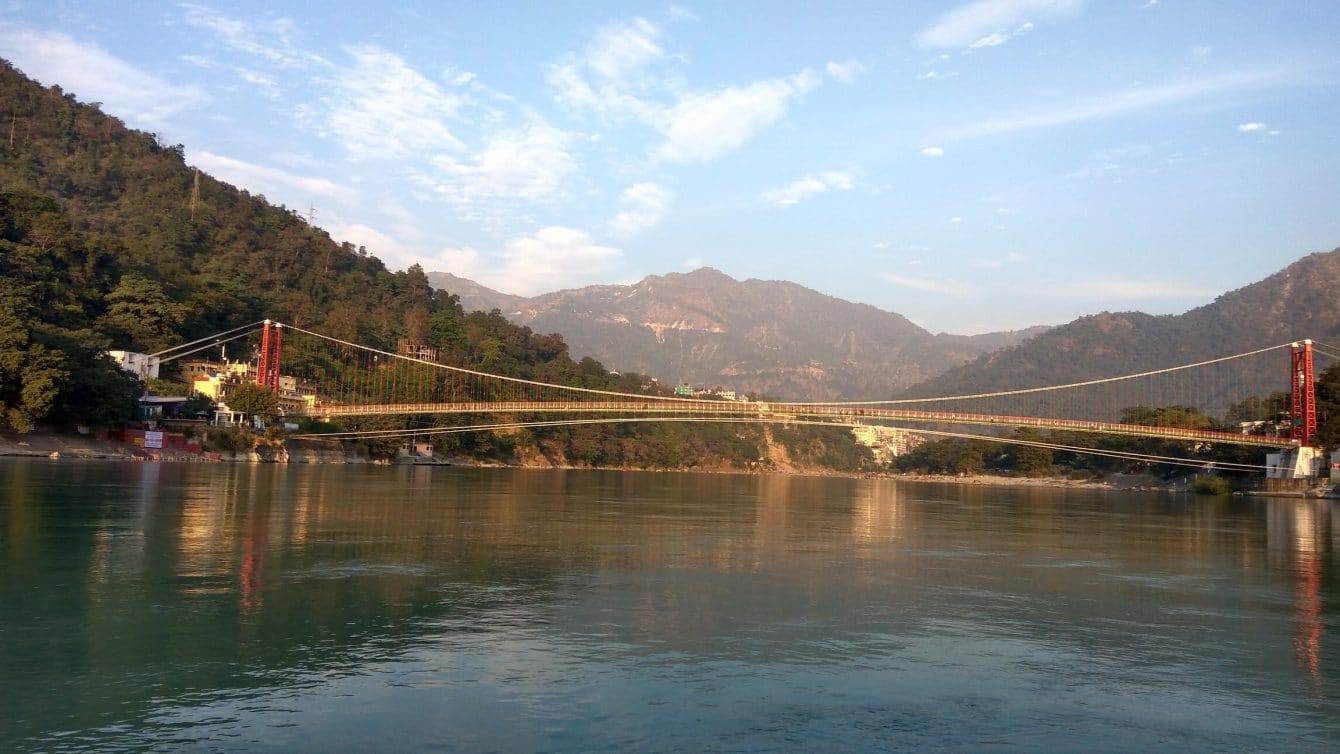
(272, 346)
(1304, 428)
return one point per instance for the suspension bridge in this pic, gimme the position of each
(327, 378)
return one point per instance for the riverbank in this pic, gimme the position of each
(86, 447)
(56, 446)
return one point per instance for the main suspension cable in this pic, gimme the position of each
(251, 326)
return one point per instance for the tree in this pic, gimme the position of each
(1187, 417)
(254, 400)
(1328, 407)
(1030, 460)
(31, 374)
(141, 312)
(1254, 408)
(99, 393)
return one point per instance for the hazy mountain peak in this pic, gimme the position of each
(706, 327)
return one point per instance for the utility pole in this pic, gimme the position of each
(311, 215)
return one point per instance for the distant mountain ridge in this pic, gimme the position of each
(766, 336)
(1300, 301)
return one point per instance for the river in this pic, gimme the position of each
(240, 607)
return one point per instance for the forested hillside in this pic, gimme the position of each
(104, 242)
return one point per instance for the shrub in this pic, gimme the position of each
(1209, 484)
(229, 440)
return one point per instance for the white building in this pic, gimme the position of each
(885, 443)
(141, 365)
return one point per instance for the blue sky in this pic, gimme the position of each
(973, 165)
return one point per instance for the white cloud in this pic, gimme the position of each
(444, 137)
(199, 61)
(267, 85)
(955, 220)
(930, 285)
(933, 151)
(271, 40)
(1251, 127)
(460, 261)
(692, 263)
(1115, 104)
(934, 75)
(996, 263)
(808, 187)
(704, 126)
(381, 107)
(619, 50)
(621, 76)
(998, 38)
(995, 39)
(93, 74)
(552, 258)
(380, 245)
(606, 78)
(845, 71)
(986, 23)
(528, 164)
(643, 205)
(278, 185)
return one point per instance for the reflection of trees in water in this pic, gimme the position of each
(242, 579)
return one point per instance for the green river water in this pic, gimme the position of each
(337, 608)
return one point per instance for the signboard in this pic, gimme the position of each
(153, 440)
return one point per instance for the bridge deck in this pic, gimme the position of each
(781, 411)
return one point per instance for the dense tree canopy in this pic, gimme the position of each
(1328, 407)
(52, 282)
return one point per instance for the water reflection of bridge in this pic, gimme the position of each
(1304, 538)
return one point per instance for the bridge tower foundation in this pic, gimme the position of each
(1303, 462)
